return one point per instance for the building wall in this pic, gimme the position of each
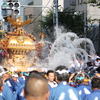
(1, 2)
(48, 4)
(93, 12)
(67, 3)
(34, 13)
(38, 12)
(23, 3)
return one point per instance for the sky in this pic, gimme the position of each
(1, 1)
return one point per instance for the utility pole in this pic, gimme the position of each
(99, 40)
(85, 22)
(85, 25)
(56, 15)
(56, 6)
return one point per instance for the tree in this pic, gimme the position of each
(72, 21)
(67, 18)
(47, 24)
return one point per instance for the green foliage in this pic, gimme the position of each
(71, 21)
(92, 1)
(0, 35)
(47, 24)
(67, 18)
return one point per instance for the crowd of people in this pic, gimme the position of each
(58, 84)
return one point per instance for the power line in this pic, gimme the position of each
(41, 11)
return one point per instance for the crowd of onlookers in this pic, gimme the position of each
(58, 84)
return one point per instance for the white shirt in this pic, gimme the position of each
(53, 84)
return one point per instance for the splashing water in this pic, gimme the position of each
(68, 49)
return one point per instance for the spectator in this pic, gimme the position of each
(97, 62)
(95, 94)
(15, 82)
(7, 91)
(1, 88)
(36, 87)
(83, 88)
(21, 78)
(63, 91)
(20, 93)
(51, 77)
(98, 72)
(6, 76)
(72, 79)
(91, 71)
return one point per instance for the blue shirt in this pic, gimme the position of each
(7, 93)
(14, 86)
(21, 80)
(83, 90)
(95, 95)
(1, 96)
(20, 94)
(64, 92)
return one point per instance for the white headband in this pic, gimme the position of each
(3, 72)
(14, 75)
(62, 71)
